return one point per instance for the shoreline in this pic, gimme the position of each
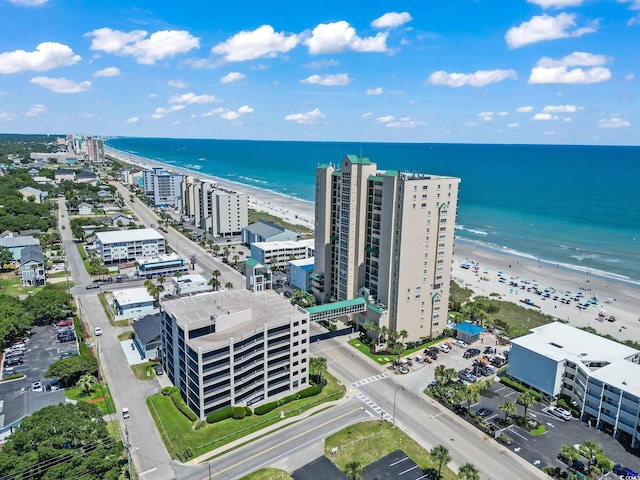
(562, 277)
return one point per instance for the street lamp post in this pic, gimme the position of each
(394, 405)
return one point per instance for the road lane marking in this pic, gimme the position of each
(368, 380)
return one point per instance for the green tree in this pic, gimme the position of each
(509, 408)
(468, 471)
(228, 286)
(14, 320)
(527, 400)
(6, 257)
(469, 394)
(215, 284)
(403, 334)
(69, 370)
(354, 470)
(397, 349)
(591, 448)
(440, 455)
(49, 304)
(216, 249)
(603, 462)
(571, 452)
(86, 383)
(372, 329)
(75, 436)
(317, 368)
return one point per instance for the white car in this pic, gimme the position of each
(97, 331)
(560, 413)
(460, 343)
(36, 387)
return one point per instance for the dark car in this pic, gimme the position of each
(620, 470)
(579, 466)
(13, 361)
(92, 285)
(484, 412)
(158, 369)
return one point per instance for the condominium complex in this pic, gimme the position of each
(599, 376)
(386, 235)
(234, 348)
(219, 211)
(162, 188)
(127, 245)
(278, 254)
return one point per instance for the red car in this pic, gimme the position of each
(64, 323)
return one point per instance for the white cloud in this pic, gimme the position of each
(317, 64)
(402, 122)
(340, 36)
(561, 109)
(338, 80)
(191, 98)
(391, 20)
(613, 122)
(548, 70)
(161, 111)
(36, 109)
(366, 115)
(525, 109)
(107, 72)
(386, 119)
(544, 117)
(513, 125)
(47, 55)
(61, 85)
(629, 76)
(133, 120)
(152, 95)
(477, 79)
(375, 91)
(546, 27)
(470, 124)
(249, 45)
(486, 116)
(245, 109)
(7, 116)
(232, 77)
(502, 114)
(177, 84)
(29, 3)
(159, 45)
(307, 118)
(230, 115)
(556, 3)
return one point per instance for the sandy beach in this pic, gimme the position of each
(624, 298)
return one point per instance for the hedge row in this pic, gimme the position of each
(268, 407)
(229, 412)
(520, 388)
(180, 405)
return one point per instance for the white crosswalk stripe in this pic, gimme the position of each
(373, 406)
(365, 381)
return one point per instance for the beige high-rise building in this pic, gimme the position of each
(387, 236)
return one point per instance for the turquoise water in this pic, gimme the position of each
(573, 205)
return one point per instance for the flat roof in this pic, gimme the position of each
(239, 313)
(193, 278)
(622, 374)
(303, 263)
(335, 305)
(469, 328)
(132, 295)
(559, 341)
(278, 244)
(169, 257)
(134, 235)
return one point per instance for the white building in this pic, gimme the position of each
(190, 284)
(133, 302)
(277, 254)
(234, 348)
(127, 245)
(161, 265)
(601, 377)
(299, 273)
(85, 209)
(162, 188)
(219, 211)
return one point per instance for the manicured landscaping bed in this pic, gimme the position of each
(99, 396)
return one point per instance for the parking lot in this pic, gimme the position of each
(42, 349)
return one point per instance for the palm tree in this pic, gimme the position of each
(469, 394)
(86, 383)
(509, 408)
(570, 452)
(354, 470)
(439, 373)
(591, 448)
(397, 349)
(216, 249)
(403, 334)
(228, 286)
(236, 258)
(468, 471)
(177, 275)
(215, 274)
(210, 243)
(317, 368)
(527, 400)
(160, 279)
(215, 284)
(384, 332)
(372, 328)
(440, 455)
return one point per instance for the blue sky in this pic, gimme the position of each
(463, 71)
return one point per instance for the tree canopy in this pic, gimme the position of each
(70, 370)
(60, 442)
(49, 304)
(14, 321)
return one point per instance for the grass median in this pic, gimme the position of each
(185, 439)
(268, 474)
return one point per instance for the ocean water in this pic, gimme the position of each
(578, 206)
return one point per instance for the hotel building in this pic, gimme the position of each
(162, 188)
(599, 376)
(388, 236)
(127, 245)
(234, 348)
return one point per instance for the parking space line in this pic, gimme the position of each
(408, 470)
(399, 461)
(510, 428)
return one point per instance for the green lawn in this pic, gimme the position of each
(268, 474)
(519, 319)
(11, 284)
(368, 442)
(99, 396)
(144, 371)
(383, 359)
(177, 430)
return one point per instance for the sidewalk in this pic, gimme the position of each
(261, 433)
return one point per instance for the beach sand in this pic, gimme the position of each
(625, 306)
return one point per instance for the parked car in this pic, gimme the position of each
(54, 384)
(560, 413)
(460, 343)
(484, 412)
(68, 354)
(13, 361)
(92, 285)
(97, 331)
(620, 470)
(125, 412)
(64, 323)
(36, 386)
(158, 369)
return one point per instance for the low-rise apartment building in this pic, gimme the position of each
(600, 377)
(161, 265)
(234, 348)
(278, 254)
(128, 245)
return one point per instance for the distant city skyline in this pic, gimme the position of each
(462, 71)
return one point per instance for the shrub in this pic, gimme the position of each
(180, 405)
(239, 413)
(520, 388)
(248, 412)
(265, 408)
(219, 415)
(14, 376)
(169, 390)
